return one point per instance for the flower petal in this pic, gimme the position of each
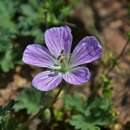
(37, 55)
(77, 76)
(58, 39)
(88, 50)
(47, 80)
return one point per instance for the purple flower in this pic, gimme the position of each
(61, 63)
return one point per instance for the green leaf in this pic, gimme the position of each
(28, 10)
(29, 99)
(7, 61)
(74, 102)
(98, 114)
(90, 114)
(78, 121)
(99, 111)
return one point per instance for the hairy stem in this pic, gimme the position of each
(119, 56)
(44, 108)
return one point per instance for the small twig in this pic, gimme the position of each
(119, 56)
(44, 108)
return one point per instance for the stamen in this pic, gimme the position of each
(62, 65)
(61, 57)
(61, 53)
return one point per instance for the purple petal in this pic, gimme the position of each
(77, 76)
(47, 80)
(37, 55)
(88, 50)
(58, 39)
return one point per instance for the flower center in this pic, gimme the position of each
(63, 63)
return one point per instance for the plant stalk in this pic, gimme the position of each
(44, 108)
(119, 56)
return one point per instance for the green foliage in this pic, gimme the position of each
(19, 19)
(106, 85)
(73, 102)
(128, 34)
(4, 110)
(89, 114)
(29, 99)
(6, 122)
(9, 123)
(7, 32)
(79, 122)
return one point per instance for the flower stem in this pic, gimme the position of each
(119, 56)
(44, 108)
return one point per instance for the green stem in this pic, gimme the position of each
(44, 108)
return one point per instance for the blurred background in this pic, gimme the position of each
(23, 22)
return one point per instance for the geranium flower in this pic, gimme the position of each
(57, 57)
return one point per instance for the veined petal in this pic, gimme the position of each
(77, 76)
(58, 39)
(47, 80)
(37, 55)
(88, 50)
